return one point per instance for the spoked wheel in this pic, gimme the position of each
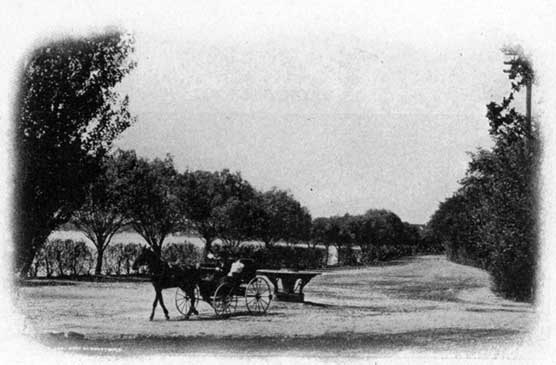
(183, 301)
(258, 296)
(223, 301)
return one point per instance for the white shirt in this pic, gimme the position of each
(237, 268)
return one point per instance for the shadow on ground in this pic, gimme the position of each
(330, 344)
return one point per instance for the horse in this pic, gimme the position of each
(163, 277)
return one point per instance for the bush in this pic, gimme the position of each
(374, 254)
(120, 257)
(513, 271)
(62, 258)
(348, 256)
(279, 257)
(182, 254)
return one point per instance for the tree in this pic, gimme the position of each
(284, 218)
(329, 232)
(319, 234)
(103, 214)
(380, 234)
(67, 116)
(237, 221)
(150, 202)
(206, 196)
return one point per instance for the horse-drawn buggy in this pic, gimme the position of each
(222, 289)
(227, 292)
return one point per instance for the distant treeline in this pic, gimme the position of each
(379, 234)
(375, 236)
(491, 221)
(156, 200)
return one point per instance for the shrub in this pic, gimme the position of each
(63, 258)
(182, 254)
(120, 257)
(280, 257)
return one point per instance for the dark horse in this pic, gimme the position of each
(163, 277)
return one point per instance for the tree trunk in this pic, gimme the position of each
(47, 267)
(157, 248)
(60, 264)
(30, 243)
(24, 268)
(98, 267)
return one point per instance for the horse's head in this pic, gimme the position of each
(146, 257)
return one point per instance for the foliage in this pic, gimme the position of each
(182, 254)
(151, 201)
(491, 221)
(63, 258)
(209, 199)
(380, 234)
(277, 256)
(236, 218)
(103, 214)
(67, 116)
(283, 218)
(120, 257)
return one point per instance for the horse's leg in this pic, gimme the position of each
(154, 303)
(191, 294)
(193, 299)
(162, 304)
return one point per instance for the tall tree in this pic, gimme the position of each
(103, 213)
(284, 218)
(67, 116)
(238, 220)
(151, 198)
(204, 197)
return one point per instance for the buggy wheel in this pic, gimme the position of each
(183, 301)
(258, 296)
(223, 300)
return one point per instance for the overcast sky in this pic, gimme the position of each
(350, 107)
(346, 120)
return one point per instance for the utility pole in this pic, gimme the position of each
(528, 86)
(520, 66)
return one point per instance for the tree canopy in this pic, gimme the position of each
(67, 116)
(215, 204)
(283, 218)
(103, 212)
(151, 201)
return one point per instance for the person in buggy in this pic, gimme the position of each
(236, 269)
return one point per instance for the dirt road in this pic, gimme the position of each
(423, 303)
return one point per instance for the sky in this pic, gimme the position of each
(350, 106)
(346, 121)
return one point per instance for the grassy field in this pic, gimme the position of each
(419, 303)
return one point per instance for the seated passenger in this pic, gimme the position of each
(236, 269)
